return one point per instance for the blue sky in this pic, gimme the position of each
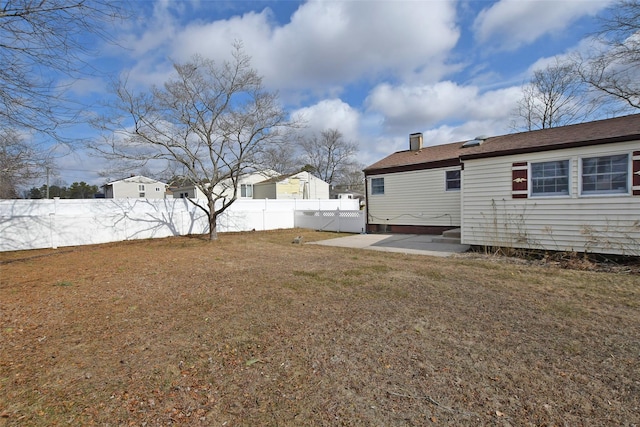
(377, 70)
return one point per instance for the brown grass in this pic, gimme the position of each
(255, 331)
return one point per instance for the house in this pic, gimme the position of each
(415, 191)
(301, 185)
(570, 188)
(245, 186)
(137, 186)
(347, 191)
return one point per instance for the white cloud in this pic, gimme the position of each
(86, 86)
(325, 45)
(157, 30)
(445, 134)
(330, 114)
(214, 39)
(381, 146)
(411, 108)
(444, 112)
(512, 23)
(328, 42)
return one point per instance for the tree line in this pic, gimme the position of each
(77, 190)
(602, 80)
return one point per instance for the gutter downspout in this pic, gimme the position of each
(366, 203)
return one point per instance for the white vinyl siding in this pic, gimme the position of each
(597, 223)
(415, 198)
(132, 188)
(302, 185)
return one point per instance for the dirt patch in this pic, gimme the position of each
(254, 330)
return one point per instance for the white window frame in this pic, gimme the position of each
(373, 187)
(245, 187)
(605, 193)
(552, 195)
(447, 180)
(140, 187)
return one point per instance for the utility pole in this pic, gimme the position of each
(47, 167)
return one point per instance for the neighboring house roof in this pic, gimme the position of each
(281, 178)
(276, 178)
(619, 129)
(138, 179)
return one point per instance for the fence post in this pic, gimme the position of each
(52, 223)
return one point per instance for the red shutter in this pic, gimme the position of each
(636, 173)
(519, 180)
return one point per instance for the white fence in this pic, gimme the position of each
(347, 221)
(34, 224)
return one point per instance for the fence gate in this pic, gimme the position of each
(346, 221)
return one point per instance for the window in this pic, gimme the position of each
(550, 178)
(605, 174)
(141, 195)
(246, 190)
(377, 185)
(140, 187)
(452, 179)
(157, 188)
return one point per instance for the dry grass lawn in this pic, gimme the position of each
(253, 330)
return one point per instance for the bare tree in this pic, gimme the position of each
(280, 157)
(19, 164)
(329, 155)
(614, 67)
(555, 96)
(352, 177)
(213, 120)
(43, 43)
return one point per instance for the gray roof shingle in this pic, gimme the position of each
(618, 129)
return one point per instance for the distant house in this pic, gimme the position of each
(301, 185)
(135, 187)
(245, 186)
(570, 188)
(348, 192)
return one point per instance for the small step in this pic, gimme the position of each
(451, 240)
(453, 233)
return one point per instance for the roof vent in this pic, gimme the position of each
(415, 141)
(475, 141)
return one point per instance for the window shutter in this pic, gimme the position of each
(636, 173)
(519, 180)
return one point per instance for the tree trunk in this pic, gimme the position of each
(213, 219)
(213, 232)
